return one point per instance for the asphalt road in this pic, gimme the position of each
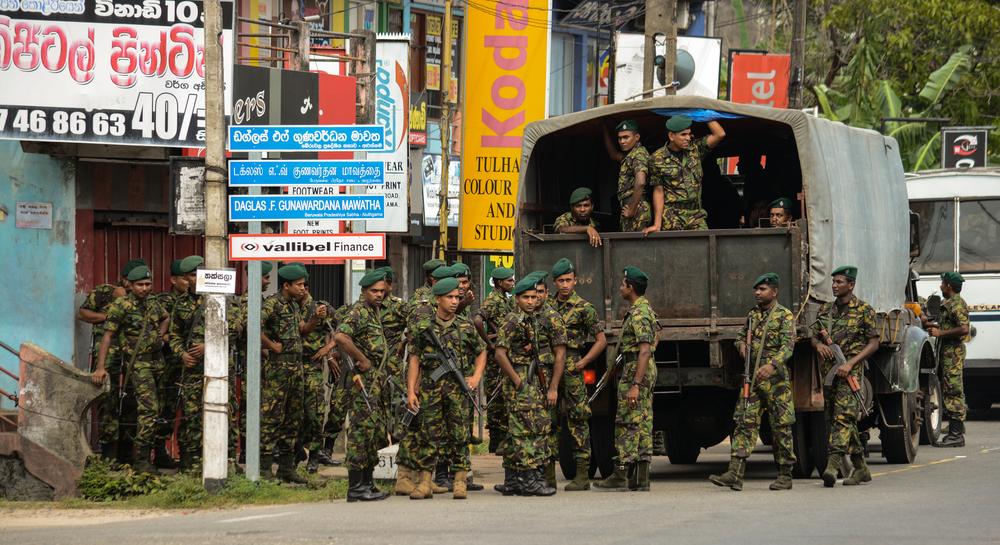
(947, 496)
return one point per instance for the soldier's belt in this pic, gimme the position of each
(686, 205)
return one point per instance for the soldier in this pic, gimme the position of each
(423, 293)
(634, 419)
(526, 449)
(394, 323)
(850, 323)
(781, 212)
(494, 309)
(337, 412)
(582, 323)
(446, 414)
(769, 336)
(361, 336)
(317, 343)
(137, 324)
(552, 362)
(953, 332)
(632, 175)
(579, 219)
(169, 381)
(282, 412)
(464, 275)
(676, 176)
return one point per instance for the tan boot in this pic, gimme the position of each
(436, 488)
(460, 485)
(404, 481)
(423, 490)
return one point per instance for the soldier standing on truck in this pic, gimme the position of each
(632, 175)
(849, 323)
(781, 212)
(769, 336)
(676, 174)
(579, 219)
(953, 332)
(634, 420)
(494, 309)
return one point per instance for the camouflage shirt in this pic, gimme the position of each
(518, 334)
(850, 326)
(315, 339)
(187, 323)
(679, 173)
(98, 300)
(495, 309)
(136, 322)
(363, 325)
(639, 326)
(394, 315)
(551, 330)
(458, 334)
(567, 220)
(279, 320)
(779, 325)
(954, 313)
(636, 161)
(420, 296)
(581, 320)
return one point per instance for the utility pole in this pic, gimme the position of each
(215, 405)
(660, 25)
(795, 83)
(710, 18)
(445, 124)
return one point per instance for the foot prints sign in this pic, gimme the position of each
(506, 88)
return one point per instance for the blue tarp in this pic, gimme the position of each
(697, 114)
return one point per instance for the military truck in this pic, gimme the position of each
(848, 185)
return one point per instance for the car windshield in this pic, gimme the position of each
(937, 236)
(979, 240)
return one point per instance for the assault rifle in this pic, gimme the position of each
(852, 381)
(349, 368)
(606, 378)
(403, 409)
(449, 366)
(747, 379)
(127, 374)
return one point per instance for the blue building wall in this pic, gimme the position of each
(39, 265)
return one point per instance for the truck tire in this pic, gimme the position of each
(602, 445)
(819, 439)
(681, 448)
(899, 444)
(933, 414)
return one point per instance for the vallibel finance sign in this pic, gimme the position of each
(307, 247)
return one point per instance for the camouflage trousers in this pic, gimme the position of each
(573, 392)
(281, 404)
(634, 424)
(529, 424)
(642, 218)
(444, 422)
(110, 428)
(314, 404)
(411, 443)
(192, 393)
(496, 416)
(336, 413)
(168, 386)
(842, 416)
(775, 396)
(953, 389)
(683, 219)
(146, 371)
(366, 428)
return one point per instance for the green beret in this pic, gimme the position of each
(371, 277)
(850, 271)
(445, 286)
(782, 203)
(678, 123)
(580, 194)
(444, 272)
(390, 274)
(627, 125)
(175, 267)
(951, 277)
(461, 269)
(502, 273)
(636, 275)
(540, 276)
(524, 284)
(292, 273)
(139, 273)
(432, 264)
(563, 266)
(771, 279)
(265, 268)
(133, 263)
(190, 263)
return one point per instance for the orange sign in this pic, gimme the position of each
(759, 78)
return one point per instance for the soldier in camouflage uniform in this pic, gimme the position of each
(518, 344)
(550, 325)
(769, 335)
(492, 312)
(94, 311)
(317, 342)
(361, 336)
(850, 323)
(953, 331)
(169, 381)
(582, 324)
(137, 324)
(446, 413)
(423, 293)
(634, 419)
(676, 174)
(337, 412)
(579, 219)
(632, 175)
(282, 413)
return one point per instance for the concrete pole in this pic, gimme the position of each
(445, 127)
(215, 407)
(659, 21)
(795, 83)
(710, 18)
(254, 286)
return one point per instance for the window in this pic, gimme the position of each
(937, 236)
(979, 233)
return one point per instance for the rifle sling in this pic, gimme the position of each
(763, 339)
(135, 351)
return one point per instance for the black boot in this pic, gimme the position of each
(443, 477)
(471, 486)
(508, 482)
(956, 434)
(323, 457)
(532, 483)
(357, 488)
(286, 470)
(312, 465)
(163, 458)
(641, 476)
(370, 485)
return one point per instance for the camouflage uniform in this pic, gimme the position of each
(394, 315)
(773, 328)
(567, 220)
(582, 324)
(550, 327)
(366, 434)
(282, 380)
(187, 329)
(445, 412)
(494, 309)
(529, 424)
(634, 425)
(169, 383)
(954, 313)
(337, 411)
(636, 161)
(237, 317)
(850, 327)
(314, 401)
(680, 176)
(98, 300)
(134, 327)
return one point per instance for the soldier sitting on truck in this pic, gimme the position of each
(632, 175)
(579, 219)
(781, 212)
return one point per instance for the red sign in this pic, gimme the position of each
(759, 78)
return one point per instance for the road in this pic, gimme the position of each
(947, 496)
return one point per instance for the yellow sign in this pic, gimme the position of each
(506, 73)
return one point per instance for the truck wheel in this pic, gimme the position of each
(602, 445)
(899, 444)
(933, 415)
(681, 449)
(804, 460)
(567, 463)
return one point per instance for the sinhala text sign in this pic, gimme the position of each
(305, 207)
(106, 71)
(307, 247)
(307, 138)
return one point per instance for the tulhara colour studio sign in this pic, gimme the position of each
(307, 247)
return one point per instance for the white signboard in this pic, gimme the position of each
(706, 53)
(222, 281)
(306, 247)
(107, 71)
(431, 168)
(392, 110)
(33, 215)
